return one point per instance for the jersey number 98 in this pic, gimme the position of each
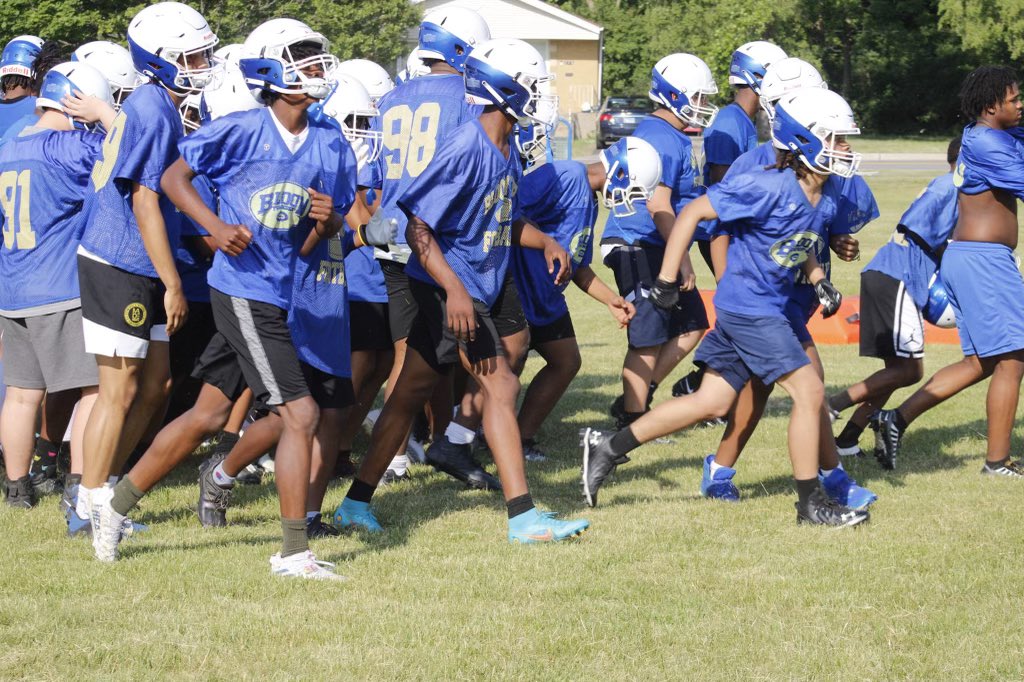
(410, 138)
(14, 199)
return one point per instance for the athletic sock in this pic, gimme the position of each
(519, 505)
(901, 423)
(715, 466)
(126, 496)
(850, 434)
(623, 442)
(83, 504)
(221, 478)
(458, 434)
(45, 454)
(400, 464)
(72, 479)
(805, 488)
(360, 491)
(293, 532)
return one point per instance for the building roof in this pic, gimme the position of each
(525, 19)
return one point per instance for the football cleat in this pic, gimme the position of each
(20, 493)
(391, 476)
(415, 452)
(688, 384)
(887, 439)
(533, 453)
(457, 461)
(1008, 469)
(303, 565)
(250, 475)
(844, 490)
(533, 526)
(213, 499)
(316, 529)
(718, 486)
(821, 510)
(78, 525)
(598, 462)
(849, 449)
(351, 514)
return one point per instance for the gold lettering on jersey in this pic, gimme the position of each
(791, 251)
(333, 271)
(280, 206)
(500, 199)
(578, 245)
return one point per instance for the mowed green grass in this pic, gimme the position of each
(665, 585)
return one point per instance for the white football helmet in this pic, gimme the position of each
(750, 61)
(64, 79)
(267, 62)
(114, 62)
(511, 74)
(787, 75)
(372, 75)
(162, 39)
(682, 83)
(632, 170)
(450, 34)
(350, 108)
(191, 116)
(230, 94)
(414, 68)
(229, 54)
(808, 121)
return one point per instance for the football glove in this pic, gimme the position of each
(664, 294)
(829, 297)
(379, 231)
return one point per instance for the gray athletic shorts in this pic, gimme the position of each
(47, 351)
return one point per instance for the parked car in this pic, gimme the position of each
(619, 116)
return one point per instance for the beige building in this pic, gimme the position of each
(571, 45)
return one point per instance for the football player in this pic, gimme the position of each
(17, 76)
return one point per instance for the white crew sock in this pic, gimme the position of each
(399, 464)
(221, 478)
(458, 434)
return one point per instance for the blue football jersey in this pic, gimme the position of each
(318, 318)
(679, 171)
(364, 276)
(43, 183)
(932, 217)
(468, 195)
(192, 266)
(15, 128)
(773, 229)
(991, 159)
(140, 145)
(263, 185)
(730, 135)
(557, 198)
(414, 119)
(12, 110)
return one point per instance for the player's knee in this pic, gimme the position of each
(119, 395)
(571, 366)
(302, 415)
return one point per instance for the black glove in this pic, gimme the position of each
(664, 294)
(829, 297)
(379, 231)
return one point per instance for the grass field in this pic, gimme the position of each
(665, 586)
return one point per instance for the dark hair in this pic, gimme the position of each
(785, 158)
(48, 57)
(305, 50)
(984, 87)
(953, 150)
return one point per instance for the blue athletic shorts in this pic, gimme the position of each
(636, 268)
(987, 293)
(741, 347)
(798, 316)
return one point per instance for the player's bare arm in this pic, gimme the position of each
(146, 206)
(461, 315)
(177, 185)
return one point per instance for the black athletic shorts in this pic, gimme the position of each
(328, 391)
(553, 331)
(507, 311)
(370, 328)
(401, 302)
(258, 334)
(218, 366)
(890, 323)
(188, 344)
(121, 311)
(433, 339)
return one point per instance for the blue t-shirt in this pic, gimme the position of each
(263, 185)
(991, 159)
(468, 195)
(679, 172)
(193, 266)
(556, 197)
(731, 134)
(12, 110)
(773, 229)
(15, 128)
(139, 147)
(318, 318)
(43, 182)
(932, 217)
(415, 118)
(365, 278)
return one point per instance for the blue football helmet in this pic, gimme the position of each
(808, 122)
(19, 57)
(938, 310)
(450, 34)
(632, 170)
(750, 62)
(511, 75)
(164, 38)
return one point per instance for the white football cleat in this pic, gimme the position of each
(303, 565)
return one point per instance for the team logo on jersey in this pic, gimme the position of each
(280, 206)
(135, 315)
(791, 251)
(958, 175)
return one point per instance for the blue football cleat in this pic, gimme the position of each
(77, 525)
(844, 490)
(353, 514)
(534, 526)
(719, 486)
